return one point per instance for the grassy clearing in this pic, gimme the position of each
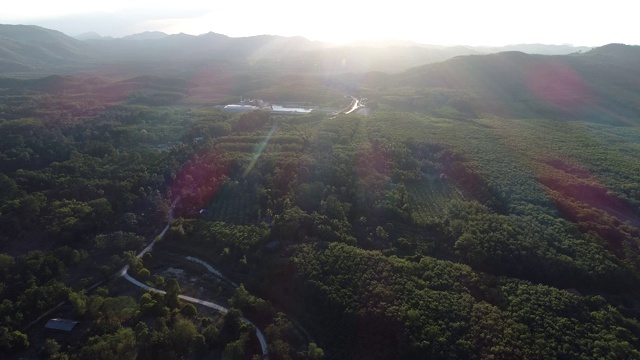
(430, 197)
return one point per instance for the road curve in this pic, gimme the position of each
(209, 304)
(354, 105)
(212, 270)
(217, 273)
(123, 273)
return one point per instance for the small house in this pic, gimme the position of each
(61, 325)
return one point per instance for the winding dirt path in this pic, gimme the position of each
(123, 273)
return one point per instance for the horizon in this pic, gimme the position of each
(357, 41)
(492, 24)
(364, 40)
(381, 40)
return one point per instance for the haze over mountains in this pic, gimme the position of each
(26, 48)
(599, 84)
(428, 202)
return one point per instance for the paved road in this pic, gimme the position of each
(355, 105)
(209, 304)
(217, 273)
(212, 270)
(123, 273)
(150, 246)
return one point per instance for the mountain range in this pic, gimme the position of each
(26, 48)
(600, 84)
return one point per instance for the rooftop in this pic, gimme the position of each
(61, 324)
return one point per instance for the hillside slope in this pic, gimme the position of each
(25, 47)
(600, 85)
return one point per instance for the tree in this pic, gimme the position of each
(211, 334)
(313, 352)
(120, 345)
(236, 349)
(172, 288)
(182, 335)
(280, 335)
(19, 340)
(79, 302)
(144, 274)
(231, 325)
(199, 345)
(12, 341)
(188, 311)
(51, 350)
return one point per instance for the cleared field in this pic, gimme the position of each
(430, 197)
(235, 203)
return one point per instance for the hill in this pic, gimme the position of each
(147, 35)
(396, 235)
(600, 85)
(24, 47)
(90, 36)
(480, 207)
(211, 46)
(541, 49)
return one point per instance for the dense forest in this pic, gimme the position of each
(438, 225)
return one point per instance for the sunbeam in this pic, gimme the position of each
(259, 151)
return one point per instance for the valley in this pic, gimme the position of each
(480, 205)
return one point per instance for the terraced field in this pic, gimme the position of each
(430, 197)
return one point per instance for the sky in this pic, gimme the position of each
(444, 22)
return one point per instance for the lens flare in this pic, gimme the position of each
(259, 151)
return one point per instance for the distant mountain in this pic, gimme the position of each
(210, 46)
(92, 35)
(24, 47)
(618, 54)
(147, 35)
(617, 51)
(384, 43)
(602, 84)
(540, 49)
(386, 59)
(294, 53)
